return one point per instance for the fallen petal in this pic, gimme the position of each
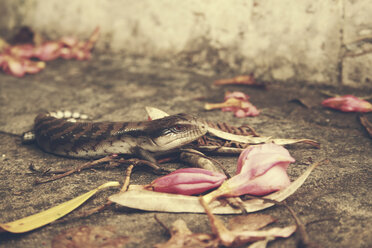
(274, 179)
(69, 41)
(348, 103)
(236, 95)
(188, 181)
(34, 66)
(15, 67)
(256, 160)
(173, 203)
(48, 51)
(22, 51)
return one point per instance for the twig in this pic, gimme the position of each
(350, 54)
(136, 161)
(365, 38)
(124, 188)
(77, 169)
(128, 173)
(110, 158)
(10, 134)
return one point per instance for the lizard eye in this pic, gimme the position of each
(177, 128)
(174, 129)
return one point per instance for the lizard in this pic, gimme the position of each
(59, 133)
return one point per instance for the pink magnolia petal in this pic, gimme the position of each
(242, 157)
(273, 180)
(255, 160)
(348, 103)
(248, 110)
(15, 67)
(188, 181)
(236, 94)
(186, 178)
(66, 53)
(33, 67)
(240, 113)
(227, 109)
(69, 41)
(188, 189)
(48, 51)
(92, 39)
(22, 51)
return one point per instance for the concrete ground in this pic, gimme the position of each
(336, 197)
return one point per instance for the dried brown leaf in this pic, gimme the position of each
(182, 237)
(231, 238)
(366, 124)
(307, 102)
(251, 236)
(250, 222)
(90, 236)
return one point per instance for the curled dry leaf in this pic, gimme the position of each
(236, 102)
(182, 237)
(348, 103)
(90, 236)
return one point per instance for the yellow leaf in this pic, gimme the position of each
(43, 218)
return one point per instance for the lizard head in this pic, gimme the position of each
(175, 131)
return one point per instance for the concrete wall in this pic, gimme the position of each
(312, 41)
